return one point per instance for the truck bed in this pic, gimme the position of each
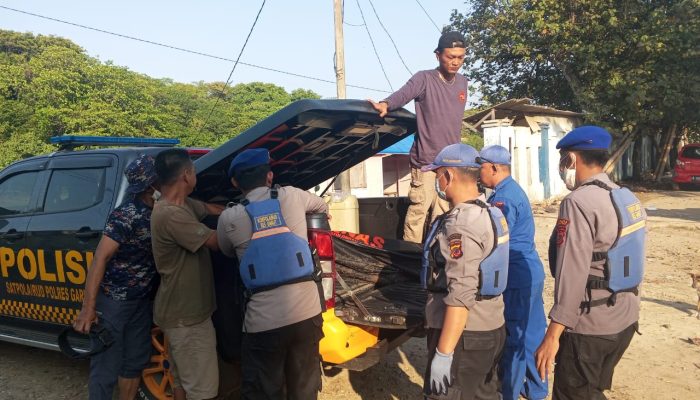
(382, 275)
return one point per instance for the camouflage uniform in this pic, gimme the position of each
(124, 304)
(131, 273)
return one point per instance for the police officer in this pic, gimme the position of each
(465, 266)
(524, 308)
(267, 232)
(597, 257)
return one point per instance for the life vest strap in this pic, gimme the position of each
(599, 256)
(598, 183)
(596, 282)
(599, 282)
(273, 195)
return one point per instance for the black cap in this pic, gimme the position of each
(449, 40)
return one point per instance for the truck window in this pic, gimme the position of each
(16, 193)
(74, 189)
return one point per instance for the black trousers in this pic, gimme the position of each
(585, 364)
(474, 365)
(282, 363)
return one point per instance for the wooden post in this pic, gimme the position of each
(344, 178)
(339, 49)
(621, 148)
(668, 142)
(544, 159)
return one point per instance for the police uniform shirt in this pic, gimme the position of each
(286, 304)
(465, 240)
(587, 223)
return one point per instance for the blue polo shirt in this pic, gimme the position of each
(525, 265)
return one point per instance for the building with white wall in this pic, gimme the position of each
(530, 133)
(388, 173)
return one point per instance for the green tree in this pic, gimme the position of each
(630, 65)
(49, 86)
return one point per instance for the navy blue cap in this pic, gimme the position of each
(248, 159)
(454, 155)
(494, 154)
(141, 174)
(587, 137)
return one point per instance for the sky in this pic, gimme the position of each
(294, 36)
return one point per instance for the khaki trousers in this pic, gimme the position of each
(194, 360)
(425, 205)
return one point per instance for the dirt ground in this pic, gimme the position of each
(662, 363)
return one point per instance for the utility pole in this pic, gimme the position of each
(344, 207)
(344, 177)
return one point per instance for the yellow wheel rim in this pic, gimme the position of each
(158, 377)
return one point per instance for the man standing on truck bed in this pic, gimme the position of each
(524, 308)
(120, 285)
(597, 259)
(465, 267)
(440, 96)
(267, 232)
(185, 299)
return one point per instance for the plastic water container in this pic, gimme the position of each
(344, 211)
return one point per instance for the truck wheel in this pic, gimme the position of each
(157, 378)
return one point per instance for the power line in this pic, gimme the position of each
(342, 12)
(199, 53)
(428, 15)
(223, 90)
(390, 38)
(373, 46)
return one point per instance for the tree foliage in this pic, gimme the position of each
(630, 65)
(49, 86)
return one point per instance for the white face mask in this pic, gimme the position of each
(440, 193)
(568, 175)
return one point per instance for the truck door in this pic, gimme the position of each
(64, 233)
(19, 185)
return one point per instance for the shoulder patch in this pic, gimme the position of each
(456, 248)
(561, 228)
(454, 236)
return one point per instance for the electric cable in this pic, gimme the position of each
(428, 15)
(390, 38)
(223, 90)
(199, 53)
(373, 46)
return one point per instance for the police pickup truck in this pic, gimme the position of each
(53, 208)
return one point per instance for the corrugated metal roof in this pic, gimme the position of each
(515, 109)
